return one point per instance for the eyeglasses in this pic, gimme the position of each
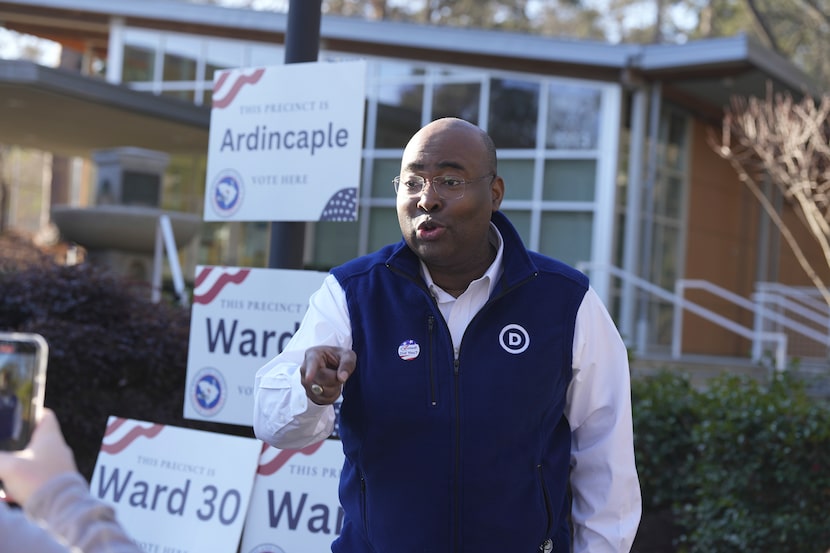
(447, 187)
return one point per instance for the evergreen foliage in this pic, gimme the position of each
(742, 466)
(111, 350)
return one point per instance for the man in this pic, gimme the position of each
(476, 377)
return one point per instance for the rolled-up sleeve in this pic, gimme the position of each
(283, 415)
(607, 503)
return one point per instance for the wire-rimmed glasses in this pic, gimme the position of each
(447, 187)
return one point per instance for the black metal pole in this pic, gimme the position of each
(302, 44)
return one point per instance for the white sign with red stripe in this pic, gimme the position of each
(240, 319)
(176, 489)
(285, 143)
(294, 506)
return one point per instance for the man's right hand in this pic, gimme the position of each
(324, 371)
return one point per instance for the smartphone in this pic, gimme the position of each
(23, 359)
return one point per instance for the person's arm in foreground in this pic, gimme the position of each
(284, 417)
(44, 479)
(606, 491)
(21, 535)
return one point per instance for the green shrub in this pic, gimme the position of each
(664, 415)
(111, 350)
(762, 469)
(743, 466)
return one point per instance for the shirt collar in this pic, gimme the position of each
(490, 277)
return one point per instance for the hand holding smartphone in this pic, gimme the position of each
(23, 359)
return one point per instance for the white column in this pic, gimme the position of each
(115, 50)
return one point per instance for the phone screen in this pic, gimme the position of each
(22, 384)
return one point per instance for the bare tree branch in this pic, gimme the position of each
(814, 11)
(788, 143)
(763, 25)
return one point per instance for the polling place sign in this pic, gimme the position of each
(294, 507)
(176, 489)
(240, 318)
(285, 142)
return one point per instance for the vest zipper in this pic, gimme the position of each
(517, 285)
(546, 497)
(431, 326)
(363, 504)
(457, 502)
(433, 395)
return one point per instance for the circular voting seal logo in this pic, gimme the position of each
(208, 392)
(267, 548)
(227, 192)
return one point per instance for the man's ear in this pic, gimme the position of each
(497, 192)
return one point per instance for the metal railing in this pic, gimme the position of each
(799, 310)
(757, 334)
(680, 303)
(165, 242)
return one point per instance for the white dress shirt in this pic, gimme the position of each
(606, 493)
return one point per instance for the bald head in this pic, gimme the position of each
(465, 130)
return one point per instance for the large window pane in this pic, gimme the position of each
(184, 183)
(520, 220)
(234, 243)
(664, 273)
(383, 171)
(383, 227)
(254, 244)
(179, 68)
(180, 55)
(669, 200)
(456, 100)
(399, 114)
(334, 243)
(514, 107)
(570, 180)
(667, 196)
(573, 117)
(213, 243)
(665, 258)
(139, 64)
(566, 236)
(661, 322)
(674, 138)
(518, 178)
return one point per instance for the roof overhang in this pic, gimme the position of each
(705, 75)
(67, 113)
(702, 75)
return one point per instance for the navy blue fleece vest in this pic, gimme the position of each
(446, 456)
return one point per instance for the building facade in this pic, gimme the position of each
(605, 149)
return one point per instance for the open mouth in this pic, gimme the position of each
(429, 230)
